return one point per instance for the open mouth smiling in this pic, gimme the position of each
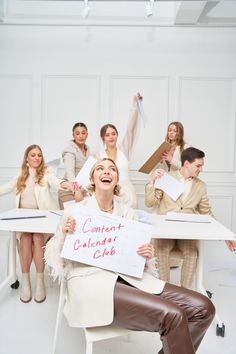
(106, 179)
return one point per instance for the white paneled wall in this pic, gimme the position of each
(54, 76)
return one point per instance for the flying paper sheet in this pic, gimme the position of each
(83, 176)
(170, 186)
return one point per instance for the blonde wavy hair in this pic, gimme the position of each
(91, 187)
(40, 171)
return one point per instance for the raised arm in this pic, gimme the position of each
(128, 141)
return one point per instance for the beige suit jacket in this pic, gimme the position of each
(43, 194)
(90, 289)
(196, 202)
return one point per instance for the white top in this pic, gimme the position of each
(122, 163)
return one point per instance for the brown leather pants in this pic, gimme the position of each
(181, 316)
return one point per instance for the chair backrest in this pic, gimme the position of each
(93, 334)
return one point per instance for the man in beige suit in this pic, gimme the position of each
(194, 200)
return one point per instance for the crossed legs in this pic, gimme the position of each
(181, 316)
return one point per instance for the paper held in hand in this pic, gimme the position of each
(83, 176)
(107, 241)
(155, 158)
(170, 186)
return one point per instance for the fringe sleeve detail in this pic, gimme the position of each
(56, 265)
(151, 267)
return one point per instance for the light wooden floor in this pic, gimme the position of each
(28, 328)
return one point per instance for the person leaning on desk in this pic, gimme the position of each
(32, 189)
(98, 297)
(193, 200)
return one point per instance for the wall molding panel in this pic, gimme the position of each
(209, 102)
(54, 76)
(16, 92)
(67, 99)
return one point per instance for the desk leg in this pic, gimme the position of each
(11, 276)
(220, 327)
(12, 262)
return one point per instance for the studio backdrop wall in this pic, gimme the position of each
(54, 76)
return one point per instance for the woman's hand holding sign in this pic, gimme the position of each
(69, 227)
(146, 250)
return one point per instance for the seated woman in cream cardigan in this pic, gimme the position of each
(181, 316)
(32, 188)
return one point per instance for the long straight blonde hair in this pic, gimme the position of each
(40, 171)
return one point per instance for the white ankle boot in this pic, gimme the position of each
(40, 292)
(25, 294)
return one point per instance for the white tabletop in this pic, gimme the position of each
(190, 230)
(162, 228)
(46, 224)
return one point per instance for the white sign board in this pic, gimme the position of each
(107, 241)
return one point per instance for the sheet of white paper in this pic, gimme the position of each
(141, 112)
(170, 186)
(83, 176)
(22, 214)
(107, 241)
(171, 216)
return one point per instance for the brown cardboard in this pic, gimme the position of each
(155, 158)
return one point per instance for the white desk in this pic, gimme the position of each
(162, 229)
(46, 224)
(193, 231)
(190, 230)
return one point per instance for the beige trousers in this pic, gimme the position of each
(163, 248)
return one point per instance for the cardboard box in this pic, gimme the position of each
(155, 158)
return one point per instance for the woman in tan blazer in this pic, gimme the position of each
(98, 297)
(32, 189)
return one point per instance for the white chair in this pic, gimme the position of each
(92, 335)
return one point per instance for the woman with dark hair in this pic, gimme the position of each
(74, 156)
(32, 189)
(121, 153)
(98, 297)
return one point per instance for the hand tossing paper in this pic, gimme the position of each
(170, 186)
(83, 176)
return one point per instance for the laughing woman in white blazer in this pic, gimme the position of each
(32, 189)
(98, 297)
